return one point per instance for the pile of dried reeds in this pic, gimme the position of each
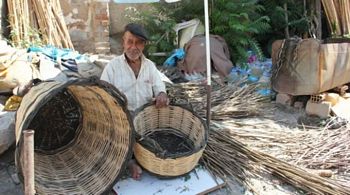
(225, 156)
(234, 100)
(328, 149)
(31, 16)
(338, 16)
(265, 135)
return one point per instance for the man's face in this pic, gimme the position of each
(133, 46)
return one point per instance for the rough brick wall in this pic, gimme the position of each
(88, 24)
(91, 23)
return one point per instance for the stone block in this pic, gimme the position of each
(99, 37)
(105, 23)
(102, 44)
(102, 16)
(105, 33)
(332, 97)
(102, 39)
(346, 96)
(102, 50)
(341, 109)
(319, 109)
(298, 105)
(284, 99)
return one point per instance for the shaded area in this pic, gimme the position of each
(56, 122)
(167, 143)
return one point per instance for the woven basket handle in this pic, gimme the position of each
(111, 88)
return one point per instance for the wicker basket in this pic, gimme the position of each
(175, 117)
(83, 136)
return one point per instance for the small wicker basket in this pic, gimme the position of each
(83, 136)
(179, 119)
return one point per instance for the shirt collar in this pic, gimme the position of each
(143, 58)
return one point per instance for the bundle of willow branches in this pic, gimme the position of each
(234, 100)
(31, 16)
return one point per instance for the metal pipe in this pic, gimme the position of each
(207, 49)
(208, 105)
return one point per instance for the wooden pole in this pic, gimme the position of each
(332, 16)
(345, 16)
(319, 20)
(286, 29)
(28, 149)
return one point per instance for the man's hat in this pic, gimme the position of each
(137, 30)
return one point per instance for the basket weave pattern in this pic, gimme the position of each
(180, 119)
(93, 160)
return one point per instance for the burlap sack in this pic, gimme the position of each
(306, 66)
(195, 60)
(14, 70)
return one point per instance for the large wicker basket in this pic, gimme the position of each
(83, 136)
(179, 119)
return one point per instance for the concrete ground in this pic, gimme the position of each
(9, 182)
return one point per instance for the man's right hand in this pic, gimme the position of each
(162, 100)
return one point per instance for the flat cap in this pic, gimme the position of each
(137, 30)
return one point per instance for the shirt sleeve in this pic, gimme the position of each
(107, 73)
(158, 84)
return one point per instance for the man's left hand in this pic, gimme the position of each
(162, 100)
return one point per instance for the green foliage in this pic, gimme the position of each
(184, 10)
(33, 38)
(298, 20)
(237, 21)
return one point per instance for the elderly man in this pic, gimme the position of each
(136, 76)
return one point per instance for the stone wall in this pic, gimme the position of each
(88, 24)
(95, 26)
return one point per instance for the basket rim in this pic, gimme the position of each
(163, 176)
(92, 81)
(206, 129)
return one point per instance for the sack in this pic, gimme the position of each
(307, 67)
(7, 130)
(15, 70)
(195, 58)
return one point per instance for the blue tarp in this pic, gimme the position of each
(55, 53)
(68, 58)
(178, 54)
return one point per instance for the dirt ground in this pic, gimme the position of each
(9, 182)
(282, 118)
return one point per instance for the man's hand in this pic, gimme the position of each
(162, 100)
